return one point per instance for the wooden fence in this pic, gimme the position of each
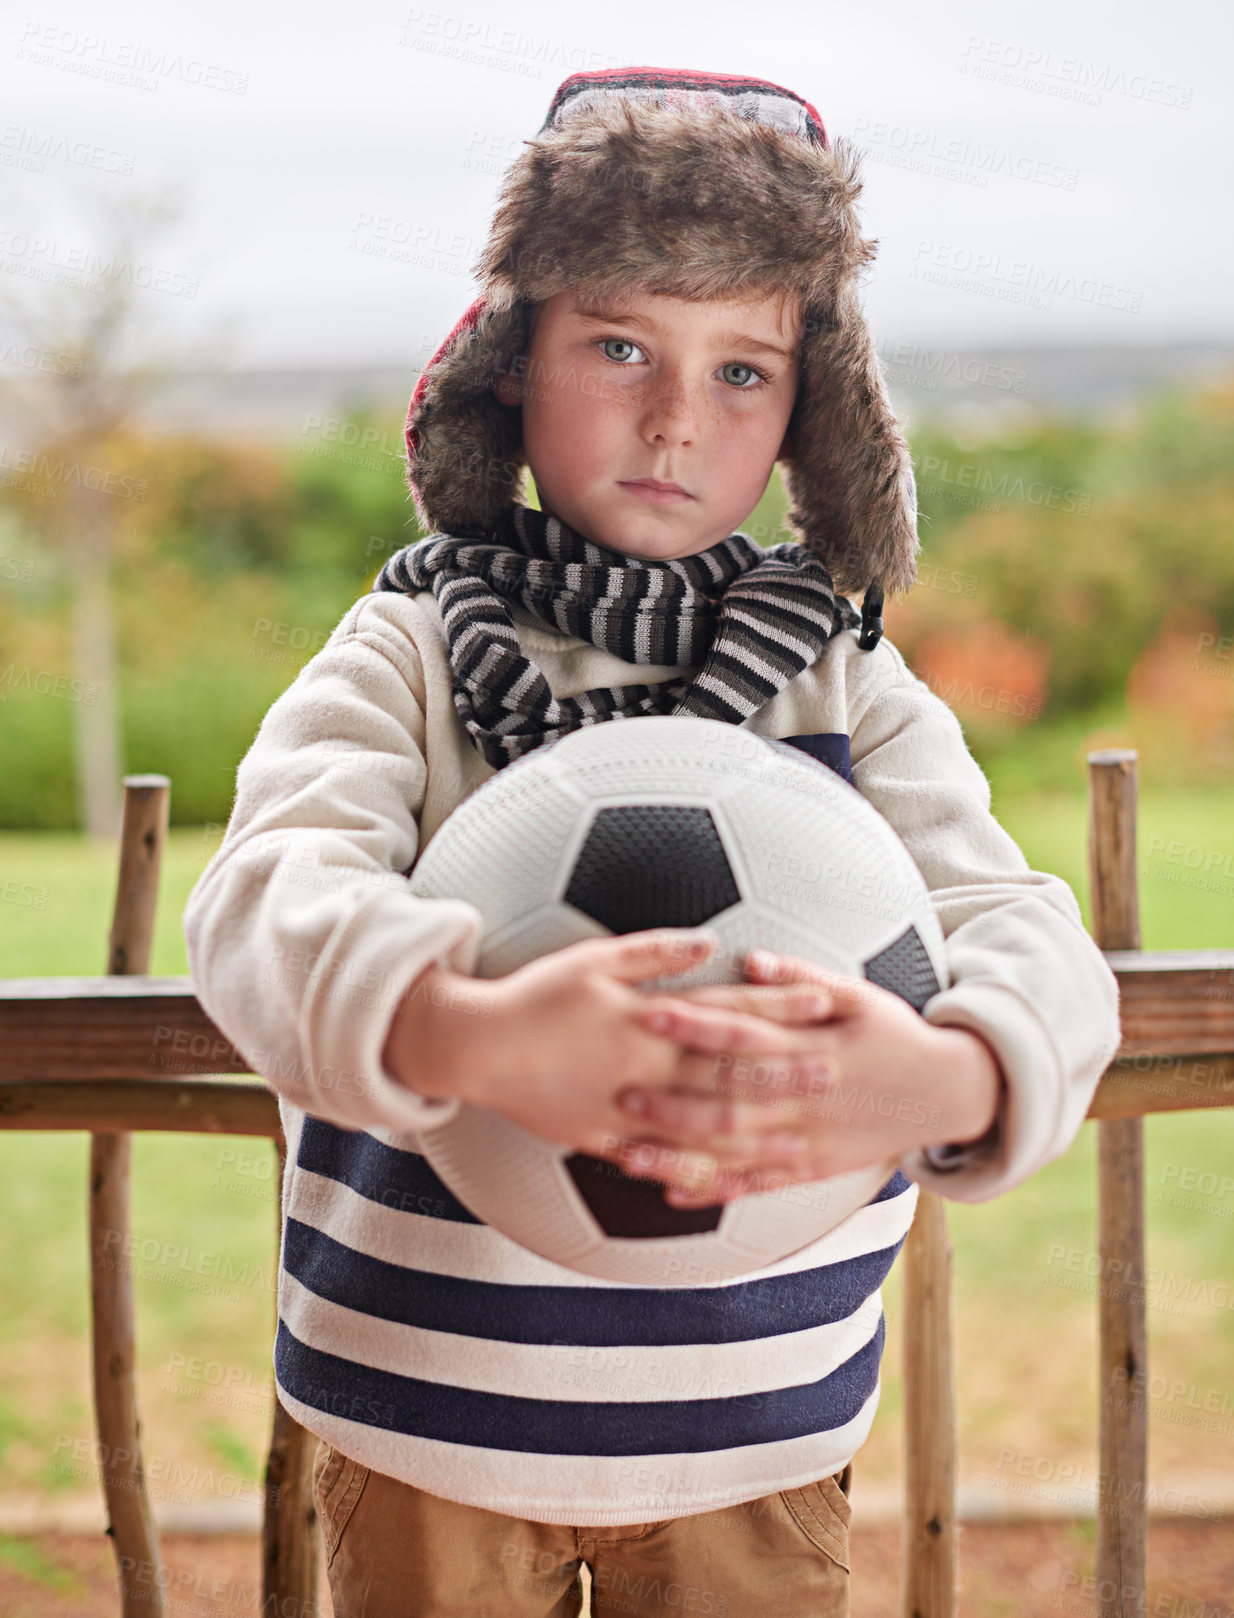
(128, 1051)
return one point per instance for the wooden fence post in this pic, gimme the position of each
(130, 1522)
(929, 1571)
(289, 1521)
(1122, 1522)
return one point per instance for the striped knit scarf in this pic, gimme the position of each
(748, 618)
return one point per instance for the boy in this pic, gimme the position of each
(669, 309)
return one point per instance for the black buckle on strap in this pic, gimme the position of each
(871, 618)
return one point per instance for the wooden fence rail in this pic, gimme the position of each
(127, 1051)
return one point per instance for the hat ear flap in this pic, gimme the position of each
(464, 447)
(852, 496)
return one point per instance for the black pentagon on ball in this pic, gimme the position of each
(624, 1206)
(904, 968)
(652, 865)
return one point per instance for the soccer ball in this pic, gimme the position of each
(669, 822)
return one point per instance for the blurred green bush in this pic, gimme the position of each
(1076, 583)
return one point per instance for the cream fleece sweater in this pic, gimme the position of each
(424, 1343)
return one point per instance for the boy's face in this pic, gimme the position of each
(618, 391)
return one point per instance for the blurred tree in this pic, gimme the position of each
(1078, 535)
(354, 508)
(213, 507)
(1180, 696)
(74, 485)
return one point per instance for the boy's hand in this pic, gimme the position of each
(896, 1082)
(553, 1045)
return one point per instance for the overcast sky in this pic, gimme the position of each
(1047, 173)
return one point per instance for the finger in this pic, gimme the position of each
(652, 1156)
(793, 1003)
(771, 1080)
(655, 953)
(763, 966)
(649, 1158)
(680, 1196)
(716, 1030)
(731, 1183)
(796, 1088)
(768, 1080)
(715, 1125)
(841, 1153)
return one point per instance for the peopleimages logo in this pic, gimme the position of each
(38, 465)
(1015, 280)
(128, 62)
(1070, 78)
(24, 147)
(927, 152)
(905, 361)
(1001, 486)
(43, 259)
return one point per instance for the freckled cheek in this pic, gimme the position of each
(742, 458)
(575, 429)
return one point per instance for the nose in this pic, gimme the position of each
(671, 411)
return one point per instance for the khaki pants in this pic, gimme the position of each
(395, 1551)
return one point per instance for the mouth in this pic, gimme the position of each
(653, 489)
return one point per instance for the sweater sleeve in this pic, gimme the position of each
(1024, 972)
(302, 931)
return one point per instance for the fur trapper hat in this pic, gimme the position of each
(695, 185)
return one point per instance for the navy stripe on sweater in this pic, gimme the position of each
(405, 1181)
(396, 1179)
(434, 1410)
(829, 747)
(581, 1316)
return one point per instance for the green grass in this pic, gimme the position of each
(63, 885)
(1175, 911)
(64, 888)
(1024, 1346)
(29, 1561)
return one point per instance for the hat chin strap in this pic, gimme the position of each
(871, 618)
